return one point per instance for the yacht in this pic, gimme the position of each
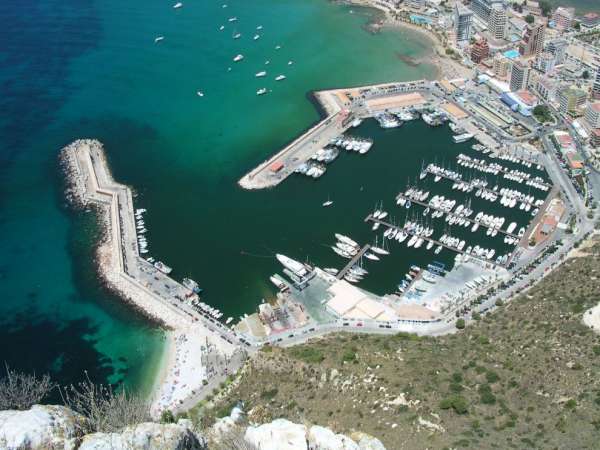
(162, 267)
(371, 256)
(261, 91)
(177, 5)
(462, 137)
(277, 47)
(158, 39)
(262, 73)
(191, 285)
(346, 240)
(280, 77)
(238, 58)
(291, 264)
(341, 252)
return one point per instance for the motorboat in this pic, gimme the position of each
(238, 58)
(346, 240)
(177, 5)
(162, 267)
(261, 91)
(371, 256)
(158, 39)
(280, 77)
(256, 37)
(262, 73)
(296, 267)
(191, 285)
(200, 93)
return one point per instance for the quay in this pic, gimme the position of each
(341, 107)
(352, 262)
(370, 218)
(481, 224)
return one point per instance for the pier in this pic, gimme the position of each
(353, 261)
(426, 205)
(370, 218)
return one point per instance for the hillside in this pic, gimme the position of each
(525, 376)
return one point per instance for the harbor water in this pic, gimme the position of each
(73, 69)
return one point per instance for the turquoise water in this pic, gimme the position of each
(71, 69)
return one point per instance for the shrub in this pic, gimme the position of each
(349, 356)
(457, 402)
(268, 395)
(21, 391)
(167, 417)
(486, 395)
(491, 376)
(307, 354)
(460, 324)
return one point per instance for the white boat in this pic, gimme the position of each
(331, 270)
(277, 47)
(511, 227)
(462, 137)
(280, 77)
(229, 320)
(371, 256)
(290, 63)
(222, 27)
(267, 62)
(191, 285)
(158, 39)
(238, 58)
(256, 37)
(162, 267)
(232, 19)
(291, 264)
(379, 250)
(438, 249)
(177, 5)
(279, 284)
(341, 252)
(200, 93)
(261, 91)
(260, 27)
(262, 73)
(346, 240)
(237, 35)
(327, 203)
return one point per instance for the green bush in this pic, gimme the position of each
(167, 417)
(268, 395)
(486, 395)
(349, 356)
(457, 402)
(307, 354)
(491, 376)
(460, 324)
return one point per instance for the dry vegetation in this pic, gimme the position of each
(526, 376)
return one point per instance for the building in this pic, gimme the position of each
(533, 40)
(596, 86)
(501, 65)
(546, 88)
(592, 115)
(571, 99)
(590, 20)
(544, 62)
(480, 50)
(519, 76)
(483, 8)
(558, 48)
(497, 22)
(563, 18)
(463, 20)
(595, 137)
(416, 4)
(521, 101)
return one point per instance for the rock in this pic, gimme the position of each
(146, 436)
(333, 374)
(366, 441)
(41, 427)
(430, 425)
(281, 434)
(320, 438)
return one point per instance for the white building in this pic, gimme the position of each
(497, 22)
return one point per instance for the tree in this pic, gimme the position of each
(21, 391)
(460, 324)
(546, 7)
(529, 19)
(585, 74)
(577, 26)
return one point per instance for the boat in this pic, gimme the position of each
(232, 19)
(191, 285)
(280, 77)
(237, 35)
(331, 270)
(261, 91)
(291, 264)
(229, 320)
(162, 267)
(200, 93)
(290, 63)
(158, 39)
(379, 250)
(327, 203)
(346, 240)
(256, 37)
(371, 256)
(177, 5)
(511, 227)
(277, 47)
(278, 282)
(238, 58)
(260, 27)
(351, 279)
(438, 249)
(222, 27)
(262, 73)
(340, 252)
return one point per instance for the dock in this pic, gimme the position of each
(353, 261)
(370, 218)
(426, 205)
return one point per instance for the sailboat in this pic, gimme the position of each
(379, 250)
(328, 202)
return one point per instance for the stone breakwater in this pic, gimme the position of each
(206, 351)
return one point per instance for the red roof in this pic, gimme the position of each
(276, 166)
(595, 106)
(528, 98)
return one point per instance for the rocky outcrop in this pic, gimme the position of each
(59, 428)
(41, 427)
(147, 436)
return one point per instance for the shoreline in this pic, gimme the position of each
(90, 186)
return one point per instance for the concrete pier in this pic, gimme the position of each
(352, 262)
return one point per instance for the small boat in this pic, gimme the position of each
(191, 285)
(222, 27)
(200, 93)
(256, 37)
(290, 63)
(262, 73)
(267, 62)
(158, 39)
(277, 47)
(260, 27)
(177, 5)
(346, 240)
(261, 91)
(237, 35)
(331, 270)
(371, 256)
(162, 267)
(280, 77)
(328, 202)
(232, 19)
(229, 320)
(238, 58)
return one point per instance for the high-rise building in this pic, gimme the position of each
(480, 50)
(533, 40)
(519, 76)
(590, 20)
(463, 18)
(544, 62)
(571, 99)
(596, 86)
(501, 65)
(497, 21)
(546, 88)
(592, 115)
(563, 18)
(558, 48)
(416, 4)
(482, 8)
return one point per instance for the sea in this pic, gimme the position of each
(74, 69)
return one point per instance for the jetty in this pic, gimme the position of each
(353, 261)
(339, 109)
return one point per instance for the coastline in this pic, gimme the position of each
(186, 371)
